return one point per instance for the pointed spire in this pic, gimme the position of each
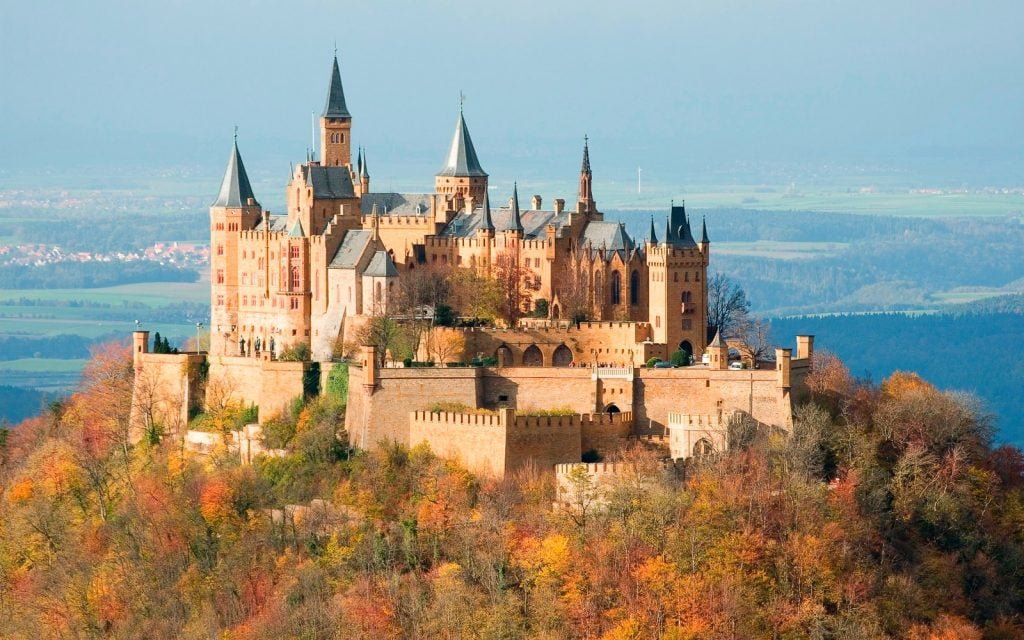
(486, 224)
(359, 162)
(704, 231)
(235, 189)
(652, 237)
(717, 342)
(517, 223)
(296, 231)
(462, 160)
(364, 171)
(586, 156)
(668, 231)
(336, 107)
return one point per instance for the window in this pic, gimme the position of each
(220, 249)
(687, 296)
(675, 276)
(220, 276)
(657, 322)
(296, 281)
(634, 287)
(294, 303)
(293, 251)
(220, 301)
(616, 285)
(245, 301)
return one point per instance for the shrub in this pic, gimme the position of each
(653, 361)
(298, 352)
(680, 359)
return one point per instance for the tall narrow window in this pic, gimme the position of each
(616, 286)
(634, 287)
(296, 282)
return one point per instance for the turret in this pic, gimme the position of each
(515, 224)
(335, 124)
(462, 174)
(364, 173)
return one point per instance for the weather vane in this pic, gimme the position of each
(462, 100)
(236, 133)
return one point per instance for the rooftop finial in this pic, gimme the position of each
(462, 100)
(335, 48)
(236, 134)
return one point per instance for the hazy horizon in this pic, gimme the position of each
(685, 90)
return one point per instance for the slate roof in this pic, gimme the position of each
(399, 204)
(328, 182)
(296, 231)
(336, 107)
(235, 189)
(610, 235)
(352, 246)
(381, 266)
(278, 223)
(462, 160)
(534, 221)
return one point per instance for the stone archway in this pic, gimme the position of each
(703, 449)
(532, 357)
(504, 356)
(562, 357)
(686, 348)
(612, 408)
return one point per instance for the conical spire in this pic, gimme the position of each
(462, 160)
(486, 224)
(668, 231)
(717, 342)
(364, 171)
(359, 162)
(336, 107)
(517, 223)
(235, 190)
(652, 236)
(704, 231)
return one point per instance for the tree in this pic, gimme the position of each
(572, 287)
(727, 305)
(384, 333)
(443, 344)
(475, 295)
(754, 334)
(513, 282)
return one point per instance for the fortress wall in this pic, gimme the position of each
(476, 441)
(543, 441)
(384, 411)
(539, 388)
(270, 385)
(165, 388)
(605, 432)
(705, 392)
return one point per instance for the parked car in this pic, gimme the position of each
(663, 365)
(736, 366)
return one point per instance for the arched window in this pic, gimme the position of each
(634, 287)
(532, 357)
(296, 281)
(616, 286)
(379, 294)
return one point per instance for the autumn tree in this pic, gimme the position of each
(514, 282)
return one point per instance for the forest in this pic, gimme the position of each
(886, 513)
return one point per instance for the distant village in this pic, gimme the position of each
(182, 255)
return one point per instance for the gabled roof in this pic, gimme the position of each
(336, 107)
(610, 235)
(381, 266)
(351, 248)
(403, 204)
(462, 160)
(329, 182)
(235, 189)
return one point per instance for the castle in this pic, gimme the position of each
(339, 256)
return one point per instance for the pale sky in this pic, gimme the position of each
(673, 86)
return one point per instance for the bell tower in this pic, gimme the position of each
(335, 124)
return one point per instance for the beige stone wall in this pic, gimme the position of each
(476, 441)
(542, 441)
(165, 388)
(270, 385)
(697, 390)
(605, 433)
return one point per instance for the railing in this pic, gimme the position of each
(611, 373)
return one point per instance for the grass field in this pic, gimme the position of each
(780, 250)
(154, 294)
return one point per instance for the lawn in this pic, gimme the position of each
(154, 294)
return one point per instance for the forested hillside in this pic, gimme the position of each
(887, 514)
(981, 353)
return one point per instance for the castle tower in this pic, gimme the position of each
(364, 173)
(677, 282)
(462, 174)
(235, 210)
(718, 351)
(585, 201)
(335, 124)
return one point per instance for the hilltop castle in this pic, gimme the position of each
(338, 257)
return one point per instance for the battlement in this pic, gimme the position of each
(593, 468)
(507, 419)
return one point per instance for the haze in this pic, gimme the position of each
(930, 88)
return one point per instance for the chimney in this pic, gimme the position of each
(250, 201)
(559, 205)
(535, 203)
